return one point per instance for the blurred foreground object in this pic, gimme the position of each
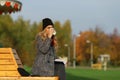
(9, 6)
(10, 64)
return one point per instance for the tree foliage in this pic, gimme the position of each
(102, 44)
(20, 35)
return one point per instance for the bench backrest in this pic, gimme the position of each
(8, 64)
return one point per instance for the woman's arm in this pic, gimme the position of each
(43, 45)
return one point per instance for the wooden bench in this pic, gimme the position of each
(8, 65)
(9, 62)
(97, 66)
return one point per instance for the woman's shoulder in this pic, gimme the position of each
(40, 35)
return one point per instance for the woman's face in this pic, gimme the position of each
(48, 28)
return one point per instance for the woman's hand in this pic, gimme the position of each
(50, 32)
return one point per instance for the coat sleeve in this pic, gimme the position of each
(43, 45)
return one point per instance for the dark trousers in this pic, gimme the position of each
(60, 70)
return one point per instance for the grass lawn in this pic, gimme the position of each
(90, 74)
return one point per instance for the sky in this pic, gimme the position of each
(83, 14)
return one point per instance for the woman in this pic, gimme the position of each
(45, 45)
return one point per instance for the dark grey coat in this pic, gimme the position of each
(44, 61)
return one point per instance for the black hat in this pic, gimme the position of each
(46, 22)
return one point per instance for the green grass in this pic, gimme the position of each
(90, 74)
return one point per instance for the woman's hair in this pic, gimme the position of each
(42, 35)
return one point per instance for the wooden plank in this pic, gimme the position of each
(16, 57)
(97, 66)
(5, 55)
(6, 62)
(14, 51)
(19, 62)
(8, 67)
(4, 50)
(9, 74)
(29, 78)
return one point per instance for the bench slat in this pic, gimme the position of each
(7, 67)
(6, 62)
(5, 56)
(9, 74)
(29, 78)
